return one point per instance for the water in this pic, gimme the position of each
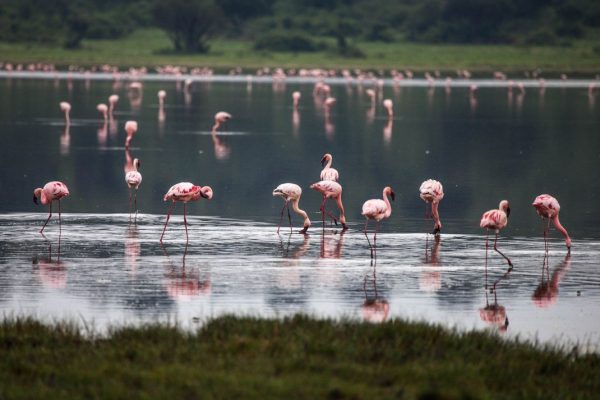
(483, 150)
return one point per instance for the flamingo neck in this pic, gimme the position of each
(338, 200)
(435, 214)
(329, 162)
(562, 230)
(388, 212)
(300, 212)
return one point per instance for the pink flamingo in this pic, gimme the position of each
(103, 109)
(548, 207)
(66, 108)
(133, 179)
(328, 173)
(220, 118)
(296, 98)
(54, 190)
(184, 191)
(329, 102)
(291, 193)
(222, 150)
(389, 106)
(377, 209)
(432, 192)
(496, 220)
(161, 105)
(331, 190)
(113, 99)
(131, 128)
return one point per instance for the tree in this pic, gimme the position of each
(188, 23)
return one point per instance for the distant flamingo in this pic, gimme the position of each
(66, 108)
(548, 207)
(329, 102)
(377, 209)
(161, 105)
(291, 193)
(496, 220)
(222, 150)
(54, 190)
(331, 190)
(184, 191)
(131, 128)
(328, 173)
(432, 191)
(103, 109)
(133, 179)
(296, 98)
(113, 99)
(220, 118)
(389, 106)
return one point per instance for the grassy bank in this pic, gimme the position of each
(294, 358)
(151, 47)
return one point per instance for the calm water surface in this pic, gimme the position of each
(497, 145)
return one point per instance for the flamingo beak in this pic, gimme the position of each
(507, 212)
(393, 196)
(35, 200)
(203, 195)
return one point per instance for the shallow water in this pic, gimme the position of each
(498, 145)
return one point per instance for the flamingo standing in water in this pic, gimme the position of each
(328, 173)
(54, 190)
(66, 108)
(291, 193)
(496, 220)
(296, 99)
(131, 128)
(432, 192)
(103, 109)
(133, 179)
(389, 106)
(220, 118)
(377, 209)
(184, 192)
(548, 207)
(331, 190)
(113, 99)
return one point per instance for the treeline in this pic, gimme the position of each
(303, 25)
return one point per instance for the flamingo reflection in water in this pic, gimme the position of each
(495, 314)
(133, 248)
(431, 277)
(546, 293)
(332, 247)
(290, 277)
(375, 308)
(182, 284)
(52, 273)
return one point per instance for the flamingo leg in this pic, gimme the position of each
(375, 238)
(49, 216)
(135, 205)
(59, 219)
(289, 217)
(499, 252)
(129, 205)
(324, 211)
(170, 209)
(486, 258)
(185, 224)
(281, 216)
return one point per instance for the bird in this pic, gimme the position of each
(113, 99)
(66, 108)
(184, 192)
(103, 109)
(432, 191)
(220, 118)
(548, 207)
(389, 106)
(54, 190)
(131, 128)
(377, 209)
(161, 98)
(296, 98)
(133, 179)
(496, 220)
(290, 193)
(331, 190)
(328, 173)
(329, 102)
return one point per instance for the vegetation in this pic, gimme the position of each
(297, 357)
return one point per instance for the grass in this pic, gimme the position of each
(299, 357)
(150, 47)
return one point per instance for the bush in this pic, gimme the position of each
(542, 36)
(286, 41)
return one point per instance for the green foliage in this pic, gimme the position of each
(280, 40)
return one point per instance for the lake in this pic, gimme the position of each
(493, 145)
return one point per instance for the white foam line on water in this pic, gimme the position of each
(219, 133)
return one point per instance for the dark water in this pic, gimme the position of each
(485, 149)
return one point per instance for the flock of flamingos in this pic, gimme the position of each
(431, 191)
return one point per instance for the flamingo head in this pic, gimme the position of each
(65, 107)
(162, 94)
(389, 191)
(326, 158)
(206, 192)
(296, 95)
(222, 117)
(113, 99)
(504, 206)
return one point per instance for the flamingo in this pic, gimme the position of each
(184, 191)
(220, 118)
(548, 207)
(331, 190)
(432, 192)
(54, 190)
(131, 128)
(329, 102)
(496, 220)
(291, 193)
(161, 98)
(296, 98)
(377, 210)
(133, 179)
(389, 106)
(66, 108)
(103, 109)
(328, 173)
(113, 99)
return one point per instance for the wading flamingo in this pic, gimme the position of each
(133, 179)
(184, 192)
(220, 118)
(389, 106)
(161, 105)
(54, 190)
(331, 190)
(296, 99)
(432, 191)
(377, 209)
(496, 220)
(103, 109)
(548, 207)
(328, 173)
(131, 128)
(113, 99)
(291, 193)
(66, 108)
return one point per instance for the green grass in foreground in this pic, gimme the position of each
(147, 47)
(297, 357)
